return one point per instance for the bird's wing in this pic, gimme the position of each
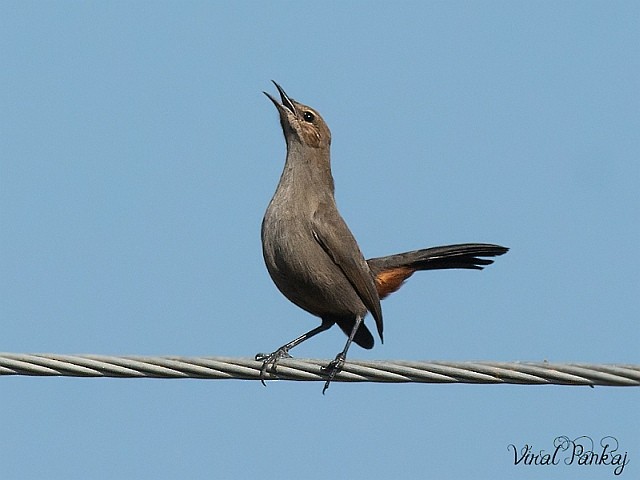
(333, 235)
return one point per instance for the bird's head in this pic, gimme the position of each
(301, 123)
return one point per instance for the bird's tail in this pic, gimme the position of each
(390, 272)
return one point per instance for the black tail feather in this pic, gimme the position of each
(363, 335)
(437, 258)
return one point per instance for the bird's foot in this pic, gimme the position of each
(271, 359)
(335, 366)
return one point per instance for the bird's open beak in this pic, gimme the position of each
(286, 101)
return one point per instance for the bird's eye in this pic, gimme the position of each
(308, 116)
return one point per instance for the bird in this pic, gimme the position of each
(314, 259)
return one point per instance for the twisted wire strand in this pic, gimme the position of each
(521, 373)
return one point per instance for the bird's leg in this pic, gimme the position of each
(271, 359)
(337, 364)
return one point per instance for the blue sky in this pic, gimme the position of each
(137, 157)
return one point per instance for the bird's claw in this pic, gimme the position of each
(270, 359)
(332, 369)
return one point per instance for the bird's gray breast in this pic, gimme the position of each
(298, 264)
